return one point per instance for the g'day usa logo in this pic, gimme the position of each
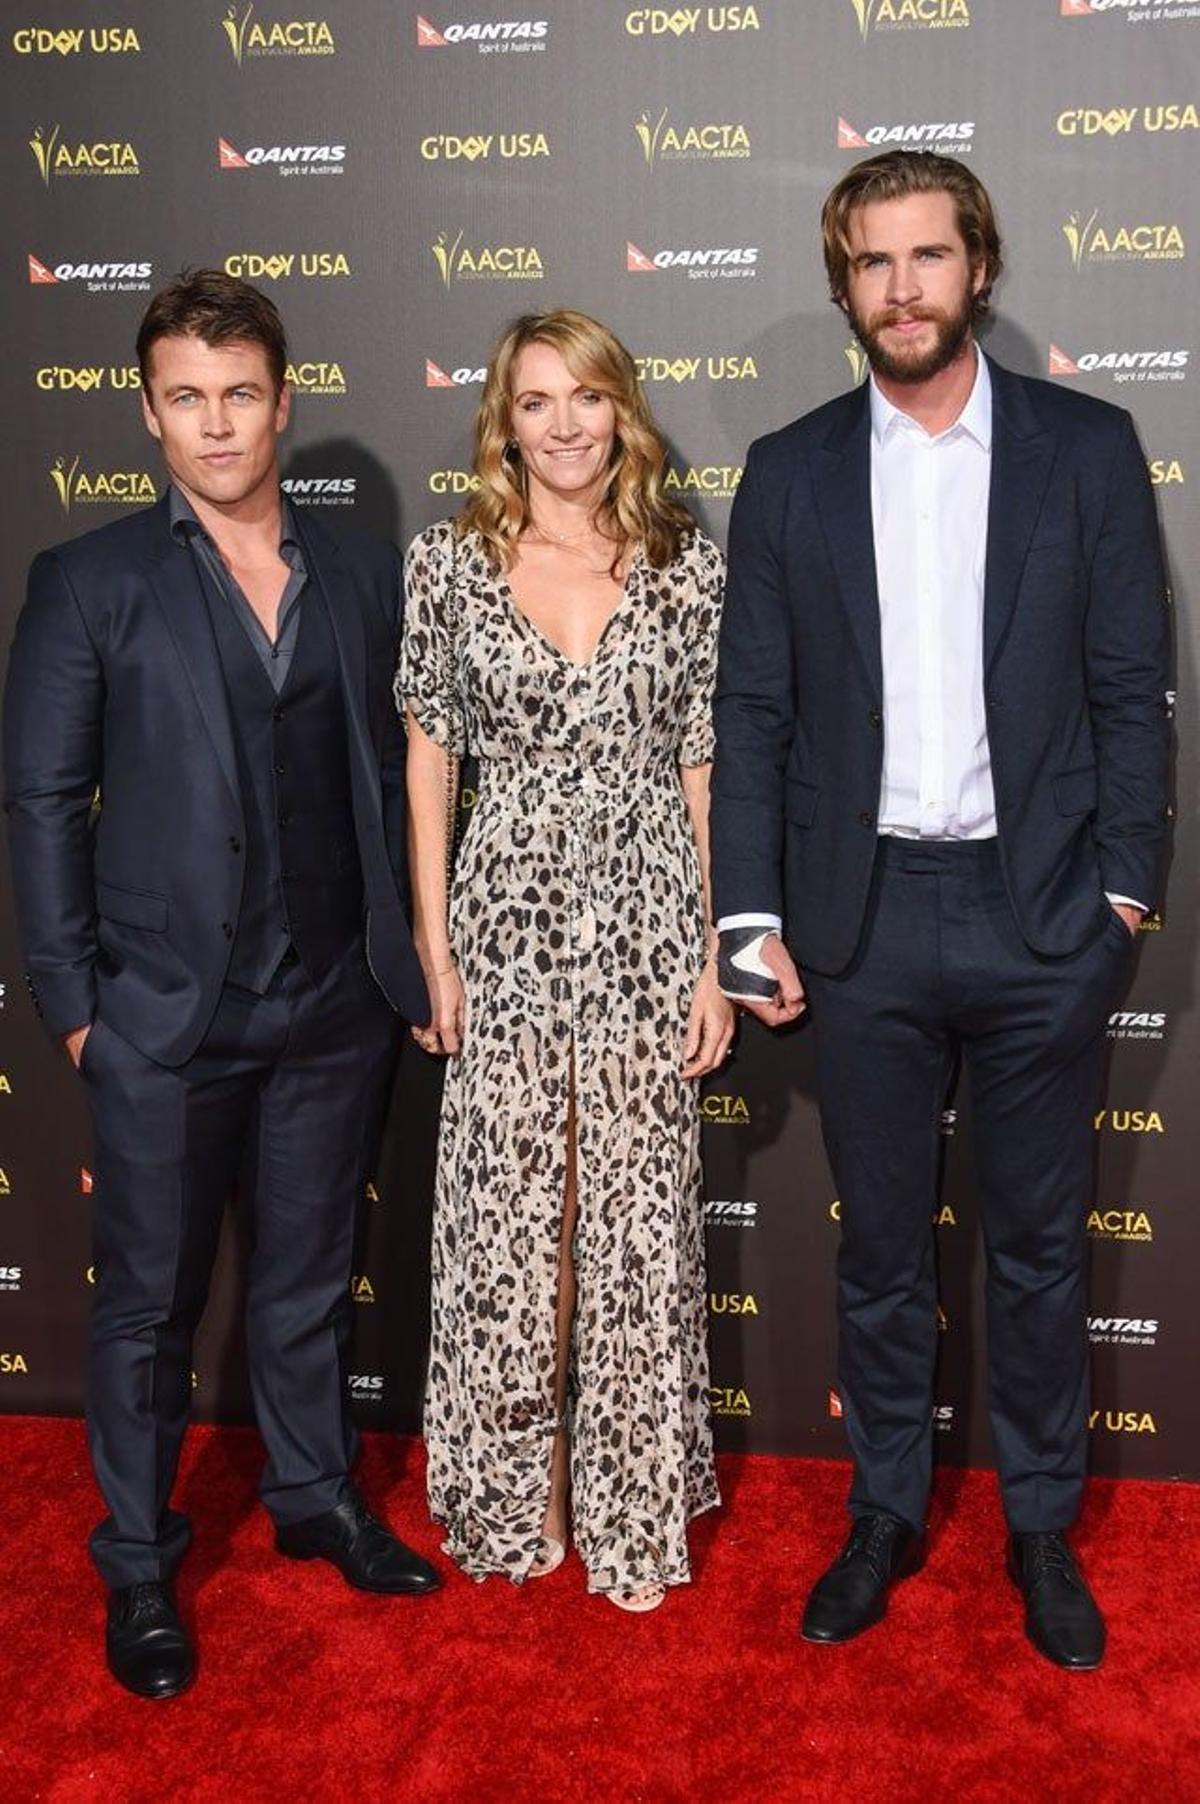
(699, 262)
(950, 138)
(490, 37)
(1121, 366)
(285, 159)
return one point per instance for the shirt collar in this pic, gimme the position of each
(184, 522)
(975, 418)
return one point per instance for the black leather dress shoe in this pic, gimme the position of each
(367, 1554)
(147, 1646)
(1061, 1618)
(852, 1595)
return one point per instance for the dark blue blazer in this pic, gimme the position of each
(115, 685)
(1075, 673)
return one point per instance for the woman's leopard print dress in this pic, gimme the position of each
(576, 919)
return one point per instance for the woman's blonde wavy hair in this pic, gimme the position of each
(634, 510)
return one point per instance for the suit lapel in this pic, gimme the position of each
(176, 584)
(325, 566)
(1023, 453)
(842, 477)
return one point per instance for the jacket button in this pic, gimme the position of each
(866, 818)
(277, 716)
(278, 768)
(875, 717)
(227, 930)
(235, 844)
(994, 701)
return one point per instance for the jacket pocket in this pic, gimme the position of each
(131, 907)
(1075, 790)
(800, 802)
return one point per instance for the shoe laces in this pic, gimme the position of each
(145, 1601)
(364, 1522)
(871, 1538)
(1048, 1556)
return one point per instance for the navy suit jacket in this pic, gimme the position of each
(115, 685)
(1075, 673)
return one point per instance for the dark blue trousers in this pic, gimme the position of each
(287, 1088)
(942, 971)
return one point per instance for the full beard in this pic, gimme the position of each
(903, 363)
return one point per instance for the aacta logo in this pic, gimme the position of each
(1122, 1421)
(288, 159)
(97, 278)
(1122, 366)
(686, 369)
(704, 482)
(15, 1365)
(86, 379)
(316, 378)
(249, 37)
(728, 1400)
(686, 21)
(436, 377)
(450, 147)
(698, 262)
(5, 1186)
(279, 265)
(77, 487)
(721, 1109)
(54, 156)
(663, 142)
(951, 139)
(458, 261)
(362, 1290)
(495, 36)
(859, 363)
(909, 15)
(1091, 241)
(732, 1302)
(101, 40)
(1116, 121)
(1120, 1224)
(1129, 1121)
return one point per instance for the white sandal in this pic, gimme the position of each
(640, 1602)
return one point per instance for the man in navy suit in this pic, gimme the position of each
(939, 805)
(221, 945)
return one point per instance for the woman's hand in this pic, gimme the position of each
(710, 1026)
(447, 1002)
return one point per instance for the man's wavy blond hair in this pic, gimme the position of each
(633, 510)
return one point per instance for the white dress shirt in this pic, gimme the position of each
(929, 517)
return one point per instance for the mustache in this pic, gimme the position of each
(895, 316)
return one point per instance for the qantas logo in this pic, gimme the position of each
(490, 37)
(98, 277)
(698, 262)
(436, 377)
(1122, 366)
(935, 134)
(288, 159)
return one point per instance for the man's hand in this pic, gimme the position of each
(1132, 917)
(788, 1001)
(74, 1043)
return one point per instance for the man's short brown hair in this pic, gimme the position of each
(891, 176)
(217, 309)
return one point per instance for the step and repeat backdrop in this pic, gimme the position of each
(404, 184)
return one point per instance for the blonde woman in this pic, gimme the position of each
(563, 629)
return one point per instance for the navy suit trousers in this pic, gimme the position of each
(942, 973)
(284, 1093)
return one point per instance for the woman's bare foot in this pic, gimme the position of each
(639, 1602)
(553, 1549)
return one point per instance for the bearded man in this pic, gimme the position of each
(939, 805)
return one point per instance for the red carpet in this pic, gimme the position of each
(311, 1694)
